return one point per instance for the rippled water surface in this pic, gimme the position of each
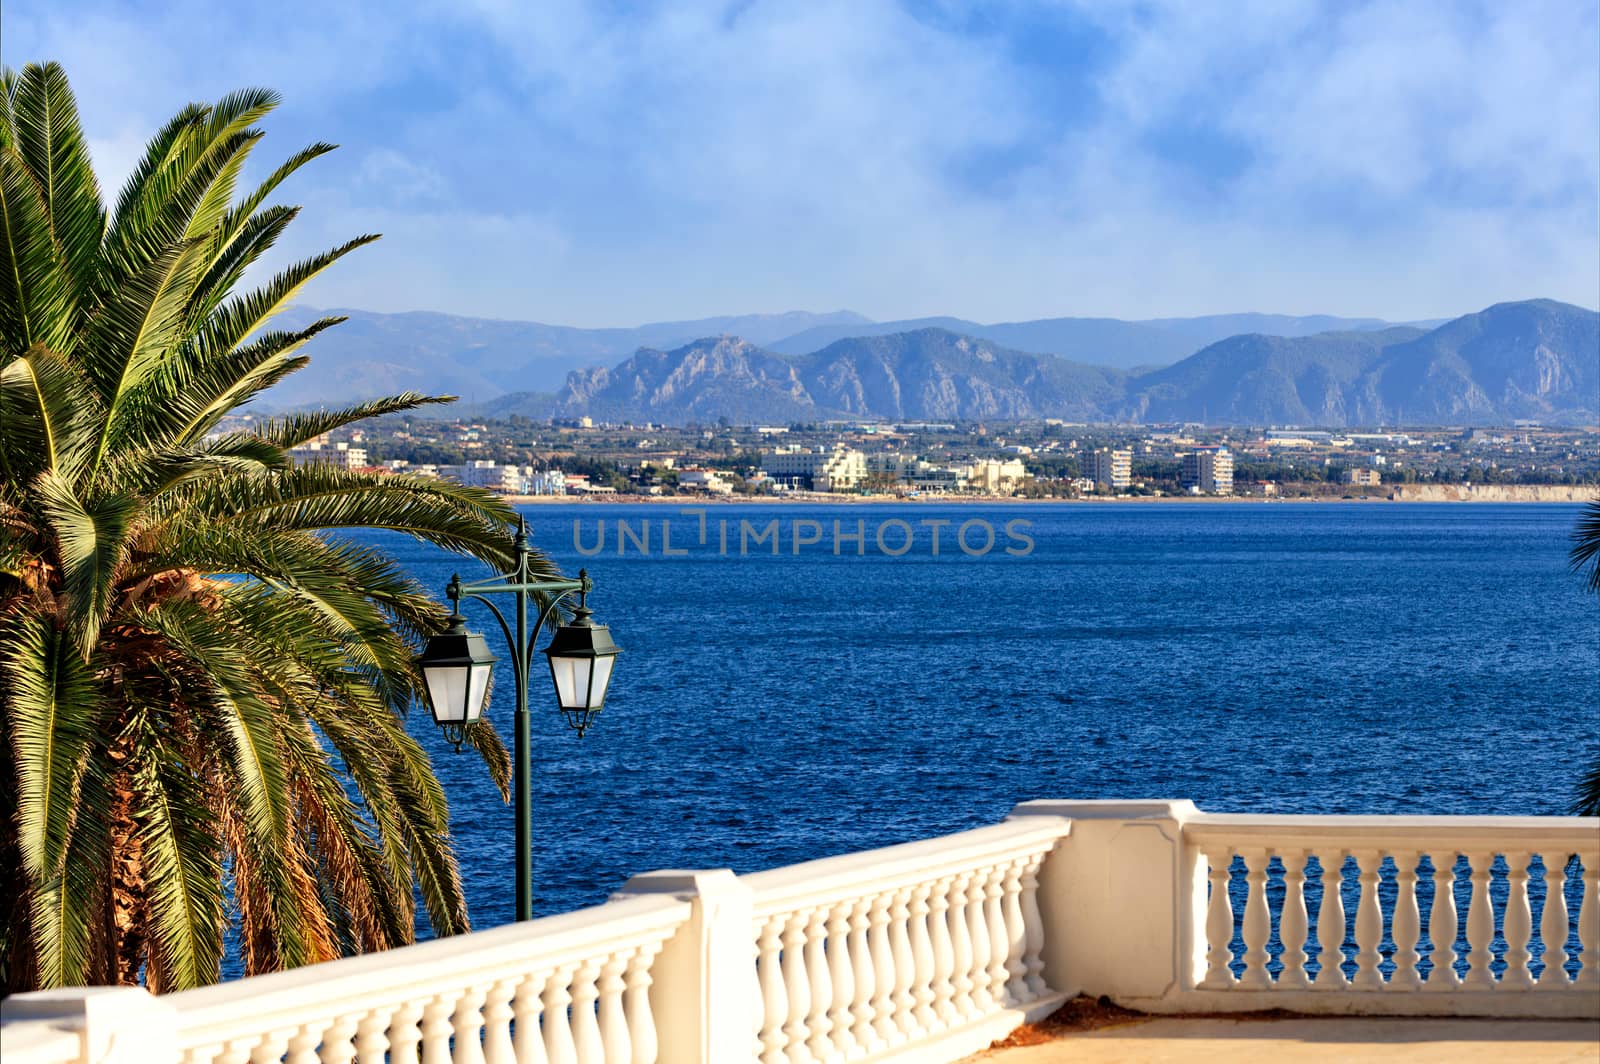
(1361, 658)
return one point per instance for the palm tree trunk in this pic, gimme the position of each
(125, 899)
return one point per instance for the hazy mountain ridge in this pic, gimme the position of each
(480, 359)
(374, 354)
(1538, 359)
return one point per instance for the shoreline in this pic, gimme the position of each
(1576, 496)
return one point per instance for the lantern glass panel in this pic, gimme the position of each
(572, 680)
(447, 692)
(479, 691)
(601, 680)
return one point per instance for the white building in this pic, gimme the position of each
(838, 469)
(994, 477)
(485, 473)
(320, 452)
(1109, 469)
(714, 481)
(548, 482)
(1208, 471)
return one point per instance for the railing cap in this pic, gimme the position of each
(1179, 809)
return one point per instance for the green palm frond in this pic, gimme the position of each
(91, 541)
(294, 429)
(1585, 554)
(184, 869)
(36, 292)
(50, 415)
(53, 714)
(1587, 802)
(51, 144)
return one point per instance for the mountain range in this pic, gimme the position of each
(1536, 360)
(374, 354)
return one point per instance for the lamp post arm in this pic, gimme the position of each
(517, 664)
(544, 615)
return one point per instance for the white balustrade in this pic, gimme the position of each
(556, 990)
(927, 951)
(1388, 853)
(896, 947)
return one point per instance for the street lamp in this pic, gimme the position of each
(456, 665)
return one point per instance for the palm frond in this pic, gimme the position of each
(37, 304)
(91, 540)
(53, 714)
(50, 140)
(1585, 554)
(183, 861)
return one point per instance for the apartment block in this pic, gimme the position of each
(1208, 471)
(1109, 469)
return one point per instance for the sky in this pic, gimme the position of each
(616, 163)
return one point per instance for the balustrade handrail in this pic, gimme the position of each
(351, 984)
(1575, 834)
(830, 879)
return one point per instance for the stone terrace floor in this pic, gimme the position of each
(1170, 1038)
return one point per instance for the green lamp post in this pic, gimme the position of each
(456, 666)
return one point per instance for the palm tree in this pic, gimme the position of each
(202, 678)
(1585, 559)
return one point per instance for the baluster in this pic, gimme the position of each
(816, 958)
(1407, 926)
(1589, 923)
(1016, 934)
(616, 1047)
(978, 934)
(436, 1030)
(999, 945)
(1257, 927)
(338, 1041)
(1480, 924)
(272, 1047)
(302, 1047)
(904, 965)
(774, 998)
(1219, 921)
(1033, 959)
(961, 948)
(921, 960)
(585, 1025)
(497, 1016)
(1555, 923)
(234, 1052)
(1443, 924)
(863, 1012)
(636, 1004)
(1369, 922)
(943, 953)
(559, 1047)
(372, 1037)
(798, 984)
(882, 971)
(841, 973)
(468, 1023)
(1518, 923)
(1331, 923)
(526, 1008)
(1293, 924)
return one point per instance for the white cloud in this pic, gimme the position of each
(560, 162)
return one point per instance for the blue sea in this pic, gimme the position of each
(838, 696)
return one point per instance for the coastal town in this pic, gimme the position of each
(1042, 459)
